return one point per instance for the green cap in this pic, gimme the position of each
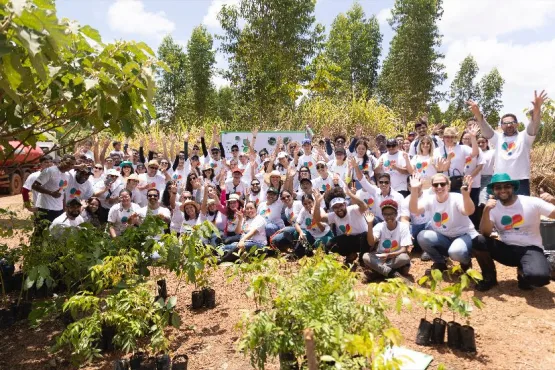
(499, 178)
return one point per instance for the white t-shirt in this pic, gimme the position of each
(180, 176)
(489, 162)
(271, 213)
(80, 191)
(257, 223)
(310, 162)
(306, 222)
(145, 211)
(326, 184)
(352, 224)
(423, 165)
(340, 170)
(367, 198)
(458, 162)
(177, 218)
(392, 240)
(512, 154)
(368, 166)
(398, 180)
(29, 186)
(414, 218)
(219, 220)
(240, 189)
(62, 221)
(93, 180)
(291, 213)
(470, 164)
(157, 181)
(447, 218)
(217, 166)
(438, 143)
(376, 193)
(113, 192)
(519, 223)
(118, 216)
(52, 179)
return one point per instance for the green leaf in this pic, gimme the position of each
(477, 302)
(474, 274)
(90, 83)
(437, 275)
(43, 271)
(11, 71)
(423, 280)
(327, 358)
(175, 320)
(91, 33)
(172, 301)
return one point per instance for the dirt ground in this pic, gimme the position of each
(515, 329)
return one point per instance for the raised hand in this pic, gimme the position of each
(415, 181)
(254, 132)
(473, 106)
(358, 132)
(442, 164)
(202, 132)
(467, 183)
(491, 203)
(474, 130)
(317, 197)
(369, 217)
(548, 197)
(186, 137)
(539, 100)
(326, 132)
(353, 162)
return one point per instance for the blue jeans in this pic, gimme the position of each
(271, 229)
(440, 246)
(414, 231)
(284, 239)
(249, 244)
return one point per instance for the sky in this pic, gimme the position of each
(516, 36)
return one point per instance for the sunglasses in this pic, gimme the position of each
(439, 184)
(502, 187)
(188, 197)
(193, 177)
(152, 196)
(195, 148)
(510, 123)
(383, 182)
(285, 197)
(391, 145)
(182, 156)
(98, 168)
(389, 214)
(340, 141)
(305, 171)
(448, 137)
(319, 167)
(255, 184)
(234, 150)
(153, 167)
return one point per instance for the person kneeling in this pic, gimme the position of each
(517, 220)
(389, 241)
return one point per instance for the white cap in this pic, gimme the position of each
(112, 172)
(281, 155)
(335, 201)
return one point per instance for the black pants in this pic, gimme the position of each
(531, 260)
(43, 219)
(346, 245)
(103, 214)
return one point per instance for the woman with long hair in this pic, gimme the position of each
(90, 213)
(209, 211)
(233, 205)
(473, 165)
(423, 162)
(284, 238)
(194, 186)
(126, 170)
(191, 211)
(315, 234)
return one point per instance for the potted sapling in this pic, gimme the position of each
(432, 332)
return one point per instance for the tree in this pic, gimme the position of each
(491, 90)
(463, 87)
(412, 70)
(173, 83)
(201, 61)
(267, 56)
(225, 103)
(354, 44)
(57, 77)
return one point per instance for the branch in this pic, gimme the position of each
(310, 349)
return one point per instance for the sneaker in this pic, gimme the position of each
(485, 285)
(425, 257)
(466, 266)
(522, 284)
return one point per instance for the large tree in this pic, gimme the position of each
(463, 87)
(268, 44)
(225, 103)
(354, 44)
(491, 90)
(201, 60)
(412, 70)
(58, 78)
(173, 82)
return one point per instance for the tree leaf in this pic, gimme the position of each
(172, 301)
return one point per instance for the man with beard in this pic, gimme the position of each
(347, 223)
(71, 218)
(254, 192)
(512, 148)
(154, 208)
(79, 187)
(517, 220)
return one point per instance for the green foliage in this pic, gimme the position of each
(201, 61)
(268, 44)
(463, 88)
(412, 71)
(491, 89)
(354, 45)
(58, 78)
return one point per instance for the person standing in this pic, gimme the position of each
(45, 162)
(512, 147)
(394, 163)
(517, 220)
(51, 184)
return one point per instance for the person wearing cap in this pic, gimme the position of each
(411, 136)
(347, 223)
(306, 159)
(137, 196)
(270, 210)
(517, 220)
(394, 163)
(512, 148)
(70, 218)
(209, 174)
(376, 194)
(79, 185)
(450, 232)
(107, 192)
(389, 242)
(232, 231)
(126, 169)
(236, 185)
(283, 163)
(152, 179)
(51, 184)
(123, 214)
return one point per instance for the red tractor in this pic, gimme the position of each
(15, 168)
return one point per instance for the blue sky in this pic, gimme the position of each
(516, 36)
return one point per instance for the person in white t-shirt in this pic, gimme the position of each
(79, 186)
(450, 232)
(284, 239)
(107, 192)
(70, 218)
(45, 162)
(253, 233)
(389, 242)
(307, 159)
(394, 163)
(315, 234)
(326, 180)
(270, 210)
(512, 148)
(154, 208)
(152, 179)
(348, 223)
(123, 214)
(517, 220)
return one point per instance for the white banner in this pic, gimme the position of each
(264, 139)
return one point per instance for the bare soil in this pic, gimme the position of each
(515, 329)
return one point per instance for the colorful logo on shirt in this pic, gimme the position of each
(62, 184)
(467, 162)
(389, 165)
(124, 219)
(369, 202)
(291, 217)
(265, 212)
(345, 229)
(390, 245)
(365, 167)
(326, 187)
(177, 177)
(421, 167)
(509, 147)
(152, 185)
(308, 164)
(440, 219)
(74, 193)
(513, 222)
(213, 165)
(309, 223)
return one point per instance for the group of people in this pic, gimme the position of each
(372, 200)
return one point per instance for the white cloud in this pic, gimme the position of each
(211, 17)
(383, 16)
(130, 16)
